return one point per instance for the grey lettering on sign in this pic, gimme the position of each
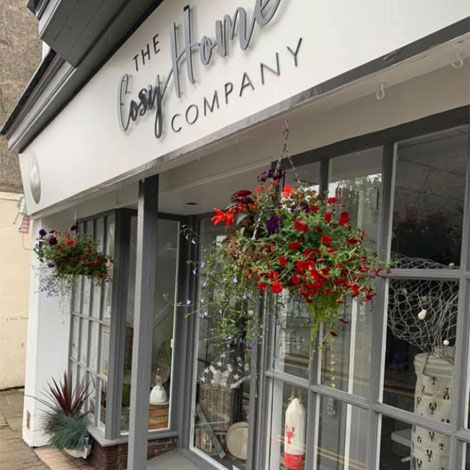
(182, 53)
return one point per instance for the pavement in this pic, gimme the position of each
(15, 454)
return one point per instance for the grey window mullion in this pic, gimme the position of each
(117, 325)
(325, 169)
(460, 377)
(286, 378)
(435, 274)
(379, 321)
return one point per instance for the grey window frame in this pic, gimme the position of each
(111, 434)
(258, 415)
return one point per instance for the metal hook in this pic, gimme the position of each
(458, 63)
(286, 130)
(380, 95)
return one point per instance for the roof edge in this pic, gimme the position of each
(28, 91)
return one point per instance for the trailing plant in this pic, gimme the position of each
(66, 255)
(64, 420)
(283, 240)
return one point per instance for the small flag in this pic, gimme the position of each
(24, 225)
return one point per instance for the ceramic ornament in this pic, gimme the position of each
(294, 436)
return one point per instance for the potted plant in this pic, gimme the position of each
(64, 420)
(66, 255)
(288, 242)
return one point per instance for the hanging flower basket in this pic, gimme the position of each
(67, 255)
(285, 240)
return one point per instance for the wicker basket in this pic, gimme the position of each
(219, 405)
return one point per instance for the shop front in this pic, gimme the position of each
(365, 104)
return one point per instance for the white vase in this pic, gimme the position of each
(79, 453)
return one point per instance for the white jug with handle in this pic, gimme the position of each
(158, 394)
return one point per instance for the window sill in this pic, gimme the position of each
(98, 435)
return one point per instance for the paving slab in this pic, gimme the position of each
(172, 460)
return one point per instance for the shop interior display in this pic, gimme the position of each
(424, 314)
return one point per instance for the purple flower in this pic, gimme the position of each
(50, 265)
(293, 208)
(52, 241)
(273, 224)
(42, 233)
(271, 175)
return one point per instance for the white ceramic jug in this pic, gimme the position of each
(158, 394)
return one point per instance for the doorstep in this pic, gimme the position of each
(172, 460)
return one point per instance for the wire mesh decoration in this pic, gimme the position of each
(424, 312)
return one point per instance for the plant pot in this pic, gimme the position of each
(79, 453)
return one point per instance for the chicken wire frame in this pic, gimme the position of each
(457, 430)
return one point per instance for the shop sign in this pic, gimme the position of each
(225, 34)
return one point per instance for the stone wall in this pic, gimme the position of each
(20, 54)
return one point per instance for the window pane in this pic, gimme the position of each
(466, 465)
(422, 316)
(220, 428)
(104, 355)
(102, 404)
(94, 338)
(75, 334)
(162, 352)
(343, 436)
(356, 181)
(287, 423)
(405, 447)
(345, 359)
(429, 200)
(84, 341)
(307, 174)
(290, 320)
(110, 240)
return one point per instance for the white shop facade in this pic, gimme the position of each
(188, 110)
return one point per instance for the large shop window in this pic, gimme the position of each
(90, 332)
(103, 315)
(164, 320)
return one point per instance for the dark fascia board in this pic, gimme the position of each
(124, 25)
(37, 7)
(32, 88)
(52, 105)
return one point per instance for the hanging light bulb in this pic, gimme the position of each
(422, 314)
(446, 342)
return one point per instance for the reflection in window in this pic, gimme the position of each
(287, 423)
(404, 446)
(162, 352)
(343, 436)
(345, 359)
(422, 316)
(356, 181)
(429, 199)
(221, 408)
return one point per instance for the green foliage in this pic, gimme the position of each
(65, 256)
(66, 432)
(291, 242)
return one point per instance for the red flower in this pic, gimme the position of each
(332, 200)
(326, 240)
(352, 241)
(309, 254)
(262, 287)
(300, 267)
(287, 191)
(314, 208)
(218, 217)
(328, 216)
(70, 242)
(294, 280)
(344, 219)
(273, 276)
(299, 226)
(283, 261)
(276, 288)
(295, 245)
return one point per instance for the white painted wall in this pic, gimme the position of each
(47, 341)
(14, 289)
(84, 146)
